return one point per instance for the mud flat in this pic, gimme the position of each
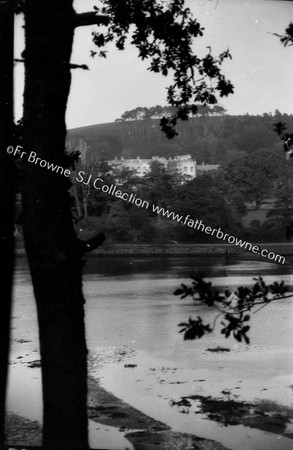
(113, 424)
(208, 404)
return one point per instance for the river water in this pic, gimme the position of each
(130, 306)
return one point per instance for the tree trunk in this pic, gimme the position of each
(86, 193)
(7, 186)
(52, 247)
(77, 202)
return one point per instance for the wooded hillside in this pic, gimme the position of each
(209, 139)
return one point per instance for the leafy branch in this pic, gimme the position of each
(286, 38)
(234, 307)
(280, 128)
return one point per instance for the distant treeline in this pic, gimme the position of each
(158, 111)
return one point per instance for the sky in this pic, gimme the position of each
(261, 69)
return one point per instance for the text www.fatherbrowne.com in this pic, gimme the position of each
(199, 226)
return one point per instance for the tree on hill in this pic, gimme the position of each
(254, 175)
(158, 186)
(118, 223)
(163, 33)
(158, 112)
(200, 199)
(234, 199)
(254, 138)
(142, 113)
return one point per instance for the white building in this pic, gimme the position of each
(204, 168)
(184, 164)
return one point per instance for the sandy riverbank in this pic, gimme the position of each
(157, 408)
(239, 412)
(113, 423)
(105, 408)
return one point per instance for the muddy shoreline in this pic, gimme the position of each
(146, 433)
(105, 408)
(142, 431)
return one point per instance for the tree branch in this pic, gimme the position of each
(78, 66)
(215, 320)
(90, 18)
(232, 306)
(285, 39)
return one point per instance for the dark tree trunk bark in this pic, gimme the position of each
(77, 203)
(86, 194)
(7, 186)
(52, 247)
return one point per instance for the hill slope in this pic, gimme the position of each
(209, 139)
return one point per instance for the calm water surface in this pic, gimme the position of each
(130, 302)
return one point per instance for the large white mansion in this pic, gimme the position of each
(184, 165)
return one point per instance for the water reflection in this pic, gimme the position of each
(176, 267)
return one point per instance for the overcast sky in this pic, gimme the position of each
(261, 69)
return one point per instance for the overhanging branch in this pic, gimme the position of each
(78, 66)
(90, 18)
